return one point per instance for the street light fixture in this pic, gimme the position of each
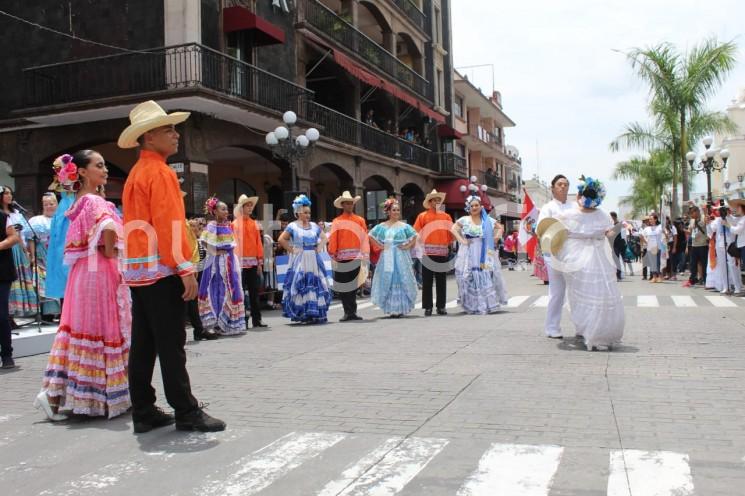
(708, 163)
(289, 147)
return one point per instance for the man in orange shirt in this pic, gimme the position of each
(158, 269)
(349, 247)
(433, 227)
(251, 252)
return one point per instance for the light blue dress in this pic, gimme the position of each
(56, 270)
(394, 286)
(481, 289)
(306, 296)
(42, 227)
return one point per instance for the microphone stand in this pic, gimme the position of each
(35, 268)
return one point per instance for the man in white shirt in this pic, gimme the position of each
(556, 283)
(738, 225)
(727, 272)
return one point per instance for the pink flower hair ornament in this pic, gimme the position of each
(211, 205)
(65, 174)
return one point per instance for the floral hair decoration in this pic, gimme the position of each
(388, 205)
(65, 174)
(591, 191)
(299, 202)
(470, 199)
(211, 205)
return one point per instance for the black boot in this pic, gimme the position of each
(198, 420)
(202, 335)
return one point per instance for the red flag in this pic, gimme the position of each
(528, 220)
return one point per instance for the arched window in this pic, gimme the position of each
(231, 189)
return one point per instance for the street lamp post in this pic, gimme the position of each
(472, 188)
(708, 163)
(287, 146)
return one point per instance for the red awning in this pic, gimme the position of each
(455, 199)
(368, 77)
(242, 19)
(447, 132)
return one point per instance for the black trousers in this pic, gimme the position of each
(6, 339)
(192, 313)
(251, 283)
(348, 298)
(698, 255)
(439, 278)
(158, 331)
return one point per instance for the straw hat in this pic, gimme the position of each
(431, 196)
(346, 197)
(243, 199)
(735, 202)
(146, 117)
(552, 235)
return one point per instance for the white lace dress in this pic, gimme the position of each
(586, 260)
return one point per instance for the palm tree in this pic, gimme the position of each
(651, 175)
(679, 86)
(665, 134)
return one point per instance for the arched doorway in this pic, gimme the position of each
(329, 180)
(412, 197)
(377, 190)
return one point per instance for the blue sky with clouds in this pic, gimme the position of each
(562, 80)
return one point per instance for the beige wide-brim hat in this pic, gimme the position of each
(431, 196)
(552, 235)
(145, 117)
(346, 197)
(243, 199)
(736, 202)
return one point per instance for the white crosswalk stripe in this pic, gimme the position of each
(683, 301)
(649, 473)
(721, 301)
(516, 301)
(397, 468)
(260, 469)
(514, 469)
(647, 301)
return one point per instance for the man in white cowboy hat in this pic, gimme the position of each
(726, 273)
(557, 287)
(349, 247)
(251, 252)
(160, 273)
(434, 227)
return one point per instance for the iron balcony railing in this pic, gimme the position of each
(346, 129)
(493, 181)
(412, 12)
(337, 28)
(189, 66)
(451, 164)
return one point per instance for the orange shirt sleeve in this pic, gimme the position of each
(259, 242)
(365, 245)
(418, 223)
(333, 244)
(169, 222)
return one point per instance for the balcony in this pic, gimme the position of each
(493, 181)
(338, 29)
(451, 164)
(349, 130)
(413, 13)
(182, 68)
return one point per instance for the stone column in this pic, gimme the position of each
(389, 42)
(350, 8)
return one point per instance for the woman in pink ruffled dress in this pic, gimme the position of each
(86, 372)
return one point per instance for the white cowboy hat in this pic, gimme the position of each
(346, 197)
(430, 196)
(146, 117)
(243, 199)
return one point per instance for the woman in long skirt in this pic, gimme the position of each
(86, 372)
(41, 226)
(22, 300)
(589, 271)
(306, 296)
(481, 289)
(394, 286)
(220, 290)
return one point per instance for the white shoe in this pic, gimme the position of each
(41, 402)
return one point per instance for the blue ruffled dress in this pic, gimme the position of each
(306, 296)
(394, 286)
(56, 270)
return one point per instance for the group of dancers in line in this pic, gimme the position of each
(120, 314)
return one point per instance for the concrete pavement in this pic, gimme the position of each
(464, 405)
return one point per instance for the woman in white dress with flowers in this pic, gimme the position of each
(586, 259)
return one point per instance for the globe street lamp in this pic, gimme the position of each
(290, 147)
(708, 163)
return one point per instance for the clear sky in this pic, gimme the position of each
(562, 82)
